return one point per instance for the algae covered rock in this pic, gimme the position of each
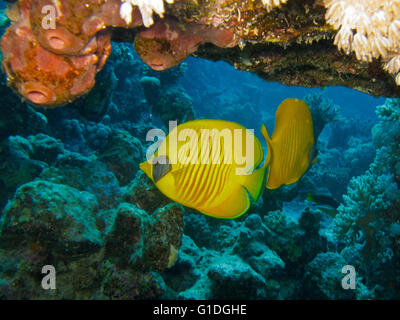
(50, 224)
(45, 148)
(174, 105)
(106, 254)
(86, 175)
(324, 277)
(233, 279)
(125, 236)
(142, 192)
(267, 263)
(16, 166)
(55, 215)
(163, 237)
(122, 155)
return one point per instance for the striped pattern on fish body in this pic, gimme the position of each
(212, 188)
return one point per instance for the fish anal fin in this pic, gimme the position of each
(233, 207)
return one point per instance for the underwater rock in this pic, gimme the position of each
(163, 237)
(324, 278)
(86, 175)
(151, 89)
(58, 227)
(174, 105)
(143, 193)
(66, 226)
(268, 263)
(125, 232)
(233, 279)
(293, 44)
(16, 166)
(101, 254)
(122, 284)
(45, 148)
(153, 240)
(122, 155)
(184, 274)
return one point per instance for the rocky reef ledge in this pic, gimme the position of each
(295, 42)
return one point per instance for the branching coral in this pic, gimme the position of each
(370, 29)
(323, 111)
(372, 204)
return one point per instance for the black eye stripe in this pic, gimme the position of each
(161, 167)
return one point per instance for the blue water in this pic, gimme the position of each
(223, 77)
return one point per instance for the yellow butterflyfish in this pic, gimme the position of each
(209, 165)
(291, 148)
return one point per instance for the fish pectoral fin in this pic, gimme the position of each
(176, 173)
(233, 207)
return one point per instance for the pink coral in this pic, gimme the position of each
(168, 42)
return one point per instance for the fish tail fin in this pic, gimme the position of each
(255, 182)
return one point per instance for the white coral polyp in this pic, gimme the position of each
(146, 7)
(369, 28)
(270, 4)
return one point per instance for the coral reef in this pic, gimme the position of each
(285, 41)
(369, 214)
(71, 187)
(369, 29)
(111, 254)
(74, 198)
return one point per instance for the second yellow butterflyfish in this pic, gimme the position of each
(291, 148)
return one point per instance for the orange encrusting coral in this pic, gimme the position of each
(167, 42)
(43, 77)
(54, 66)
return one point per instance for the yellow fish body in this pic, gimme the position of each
(291, 148)
(208, 180)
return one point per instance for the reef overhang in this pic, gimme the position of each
(290, 42)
